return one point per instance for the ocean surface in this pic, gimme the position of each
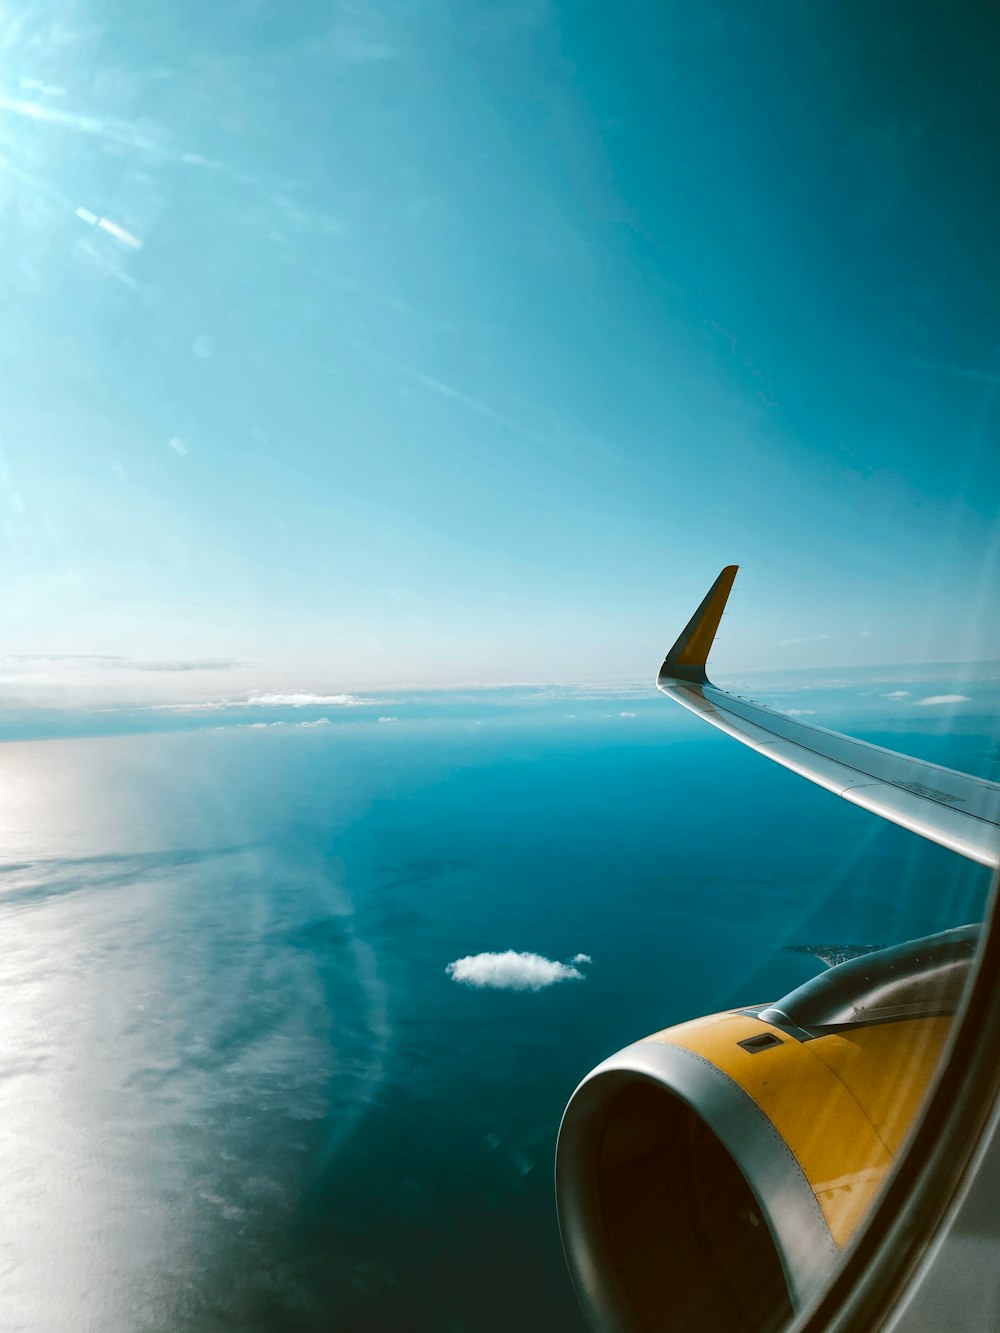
(239, 1088)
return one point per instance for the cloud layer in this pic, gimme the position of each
(268, 726)
(110, 662)
(299, 699)
(513, 971)
(943, 699)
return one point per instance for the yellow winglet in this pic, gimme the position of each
(686, 659)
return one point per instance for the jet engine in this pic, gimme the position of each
(708, 1177)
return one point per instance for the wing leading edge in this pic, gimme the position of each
(951, 808)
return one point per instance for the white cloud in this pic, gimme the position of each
(210, 706)
(626, 714)
(606, 690)
(267, 726)
(897, 694)
(512, 971)
(581, 958)
(388, 719)
(943, 699)
(799, 712)
(299, 699)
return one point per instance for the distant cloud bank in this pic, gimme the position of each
(943, 699)
(297, 700)
(514, 971)
(267, 726)
(108, 662)
(301, 700)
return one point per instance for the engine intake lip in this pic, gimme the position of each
(687, 1081)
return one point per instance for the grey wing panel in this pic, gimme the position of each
(951, 808)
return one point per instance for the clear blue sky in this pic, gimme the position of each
(379, 342)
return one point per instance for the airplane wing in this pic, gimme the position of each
(954, 809)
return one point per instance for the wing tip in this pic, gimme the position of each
(688, 658)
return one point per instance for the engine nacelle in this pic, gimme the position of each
(708, 1177)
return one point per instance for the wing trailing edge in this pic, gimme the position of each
(953, 809)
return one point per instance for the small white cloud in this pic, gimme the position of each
(897, 694)
(178, 445)
(581, 958)
(388, 719)
(626, 714)
(799, 712)
(511, 971)
(943, 699)
(320, 722)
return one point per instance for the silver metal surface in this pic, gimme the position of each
(911, 980)
(947, 807)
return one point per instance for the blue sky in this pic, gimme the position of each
(374, 344)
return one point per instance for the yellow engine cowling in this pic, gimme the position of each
(708, 1176)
